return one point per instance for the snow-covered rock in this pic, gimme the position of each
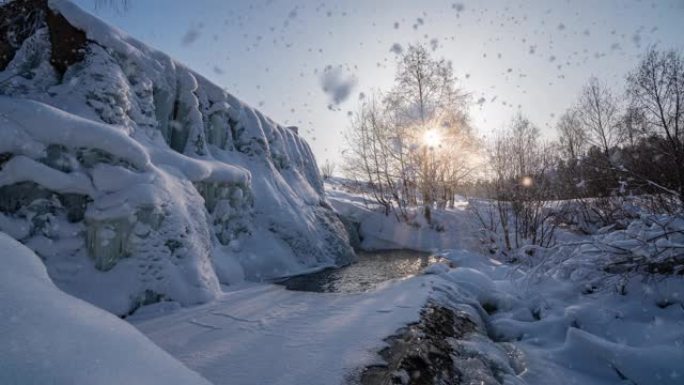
(135, 179)
(49, 337)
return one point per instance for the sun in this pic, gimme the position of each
(432, 138)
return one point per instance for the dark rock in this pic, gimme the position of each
(420, 354)
(68, 42)
(20, 19)
(353, 232)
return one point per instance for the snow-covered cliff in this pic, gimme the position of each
(137, 180)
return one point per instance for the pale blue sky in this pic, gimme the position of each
(527, 55)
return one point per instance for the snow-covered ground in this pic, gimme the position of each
(49, 337)
(533, 330)
(570, 333)
(266, 334)
(574, 323)
(386, 232)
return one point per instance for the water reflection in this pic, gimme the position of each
(372, 268)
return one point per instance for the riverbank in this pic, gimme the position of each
(452, 228)
(495, 323)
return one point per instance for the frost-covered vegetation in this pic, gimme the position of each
(616, 165)
(586, 232)
(135, 179)
(614, 175)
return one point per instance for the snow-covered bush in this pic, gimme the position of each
(507, 227)
(590, 215)
(650, 246)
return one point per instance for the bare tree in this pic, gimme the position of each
(633, 126)
(424, 87)
(656, 89)
(571, 135)
(523, 140)
(416, 139)
(598, 113)
(520, 165)
(425, 100)
(328, 169)
(369, 156)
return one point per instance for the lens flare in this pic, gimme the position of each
(432, 138)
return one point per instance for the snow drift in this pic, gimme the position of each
(51, 337)
(135, 179)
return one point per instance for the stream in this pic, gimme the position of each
(370, 269)
(432, 350)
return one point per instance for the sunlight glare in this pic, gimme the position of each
(527, 181)
(432, 138)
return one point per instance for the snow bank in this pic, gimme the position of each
(49, 337)
(136, 180)
(567, 333)
(595, 310)
(46, 124)
(22, 169)
(452, 228)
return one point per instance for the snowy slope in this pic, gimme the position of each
(49, 337)
(379, 231)
(135, 179)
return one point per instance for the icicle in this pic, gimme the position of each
(107, 241)
(218, 130)
(230, 208)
